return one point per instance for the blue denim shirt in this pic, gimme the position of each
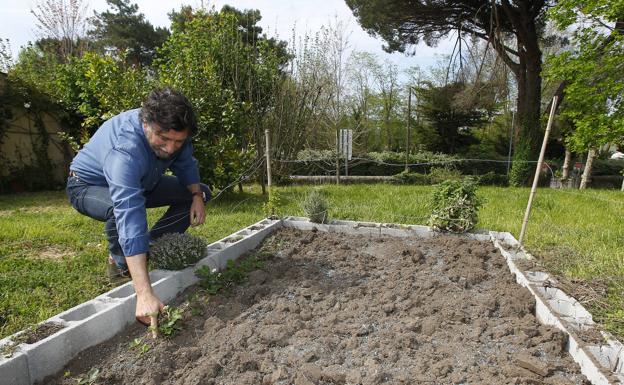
(119, 156)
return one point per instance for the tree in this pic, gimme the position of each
(124, 31)
(231, 83)
(591, 73)
(61, 24)
(403, 23)
(451, 121)
(360, 97)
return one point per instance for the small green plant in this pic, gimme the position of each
(272, 206)
(168, 321)
(195, 304)
(455, 206)
(315, 206)
(91, 377)
(135, 342)
(139, 345)
(213, 281)
(176, 251)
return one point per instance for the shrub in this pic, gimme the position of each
(441, 174)
(315, 206)
(405, 177)
(455, 206)
(176, 251)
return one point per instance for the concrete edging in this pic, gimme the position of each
(100, 319)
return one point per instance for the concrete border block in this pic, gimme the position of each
(49, 355)
(239, 243)
(85, 325)
(14, 370)
(555, 308)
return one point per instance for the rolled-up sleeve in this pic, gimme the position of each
(123, 174)
(185, 166)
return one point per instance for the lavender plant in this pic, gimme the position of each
(176, 251)
(315, 206)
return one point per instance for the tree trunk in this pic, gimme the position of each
(527, 71)
(565, 172)
(588, 167)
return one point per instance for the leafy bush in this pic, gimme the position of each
(176, 251)
(455, 206)
(315, 206)
(441, 174)
(406, 177)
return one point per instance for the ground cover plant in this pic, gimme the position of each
(327, 308)
(52, 258)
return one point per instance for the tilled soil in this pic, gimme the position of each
(335, 309)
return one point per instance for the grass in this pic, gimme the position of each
(52, 258)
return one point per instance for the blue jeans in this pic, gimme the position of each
(95, 202)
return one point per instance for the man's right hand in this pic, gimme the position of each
(148, 304)
(147, 309)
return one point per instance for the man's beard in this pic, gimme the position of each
(161, 155)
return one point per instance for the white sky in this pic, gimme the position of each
(278, 18)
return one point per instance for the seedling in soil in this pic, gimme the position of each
(144, 349)
(195, 304)
(168, 321)
(233, 273)
(90, 378)
(141, 346)
(136, 342)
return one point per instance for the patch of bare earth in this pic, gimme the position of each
(338, 309)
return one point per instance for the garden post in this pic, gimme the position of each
(537, 170)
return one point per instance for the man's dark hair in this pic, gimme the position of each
(170, 110)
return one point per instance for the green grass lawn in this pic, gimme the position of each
(52, 258)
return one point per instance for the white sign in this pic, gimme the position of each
(346, 143)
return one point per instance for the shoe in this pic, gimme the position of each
(116, 276)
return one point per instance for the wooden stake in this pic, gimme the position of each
(268, 159)
(537, 170)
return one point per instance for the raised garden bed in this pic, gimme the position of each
(345, 302)
(333, 309)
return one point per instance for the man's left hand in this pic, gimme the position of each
(198, 213)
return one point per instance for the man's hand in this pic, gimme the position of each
(147, 310)
(198, 212)
(148, 304)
